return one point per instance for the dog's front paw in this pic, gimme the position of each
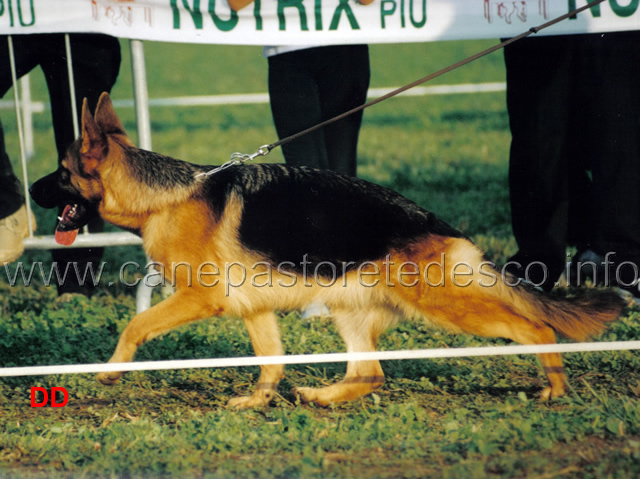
(109, 378)
(248, 402)
(549, 393)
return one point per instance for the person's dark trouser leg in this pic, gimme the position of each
(310, 86)
(11, 191)
(538, 79)
(96, 63)
(343, 86)
(614, 138)
(295, 106)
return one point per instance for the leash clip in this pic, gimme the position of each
(240, 158)
(237, 159)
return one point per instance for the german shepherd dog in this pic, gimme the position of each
(304, 235)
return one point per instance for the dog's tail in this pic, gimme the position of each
(577, 315)
(491, 303)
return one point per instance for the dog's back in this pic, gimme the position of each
(294, 213)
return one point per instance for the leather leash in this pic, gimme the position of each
(241, 158)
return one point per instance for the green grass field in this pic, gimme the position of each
(469, 417)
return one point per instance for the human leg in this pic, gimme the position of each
(14, 223)
(295, 106)
(26, 58)
(343, 85)
(538, 79)
(613, 135)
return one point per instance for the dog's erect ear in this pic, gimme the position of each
(94, 141)
(106, 117)
(95, 131)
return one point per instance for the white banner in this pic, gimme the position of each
(311, 22)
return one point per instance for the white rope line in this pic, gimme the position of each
(320, 358)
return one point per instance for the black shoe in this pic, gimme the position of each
(587, 265)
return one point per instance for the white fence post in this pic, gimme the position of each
(27, 116)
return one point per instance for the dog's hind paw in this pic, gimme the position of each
(308, 396)
(109, 378)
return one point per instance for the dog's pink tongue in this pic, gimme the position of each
(66, 238)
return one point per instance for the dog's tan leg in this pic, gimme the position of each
(552, 364)
(360, 331)
(494, 319)
(178, 309)
(526, 332)
(265, 338)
